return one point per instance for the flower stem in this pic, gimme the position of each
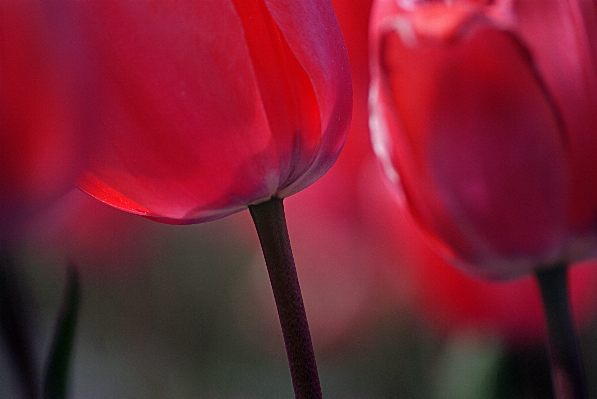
(566, 366)
(270, 223)
(14, 326)
(57, 370)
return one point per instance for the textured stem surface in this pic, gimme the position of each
(566, 366)
(270, 223)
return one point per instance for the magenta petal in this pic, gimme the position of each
(478, 145)
(207, 108)
(325, 60)
(562, 36)
(181, 114)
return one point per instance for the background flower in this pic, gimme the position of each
(41, 99)
(472, 117)
(177, 325)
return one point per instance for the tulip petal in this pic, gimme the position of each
(181, 109)
(478, 144)
(207, 106)
(285, 90)
(562, 36)
(324, 58)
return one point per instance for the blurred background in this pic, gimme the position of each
(187, 311)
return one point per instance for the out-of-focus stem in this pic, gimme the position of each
(270, 223)
(566, 365)
(14, 330)
(58, 367)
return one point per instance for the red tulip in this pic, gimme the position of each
(39, 136)
(449, 302)
(210, 106)
(483, 114)
(338, 249)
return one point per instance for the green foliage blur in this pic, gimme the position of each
(176, 313)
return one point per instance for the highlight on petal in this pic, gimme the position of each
(210, 106)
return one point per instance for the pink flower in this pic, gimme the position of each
(483, 116)
(212, 106)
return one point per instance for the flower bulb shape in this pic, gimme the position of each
(483, 117)
(210, 106)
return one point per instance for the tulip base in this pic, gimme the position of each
(566, 365)
(270, 223)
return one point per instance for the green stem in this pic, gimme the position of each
(566, 366)
(270, 223)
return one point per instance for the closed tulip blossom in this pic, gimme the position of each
(215, 105)
(487, 114)
(483, 116)
(212, 107)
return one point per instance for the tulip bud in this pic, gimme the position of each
(473, 123)
(210, 106)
